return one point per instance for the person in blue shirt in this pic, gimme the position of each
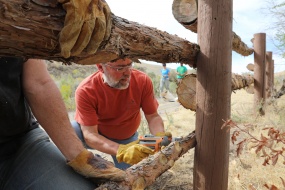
(181, 71)
(164, 81)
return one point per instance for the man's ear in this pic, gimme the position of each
(100, 68)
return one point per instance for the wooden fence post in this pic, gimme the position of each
(272, 70)
(211, 160)
(268, 75)
(259, 46)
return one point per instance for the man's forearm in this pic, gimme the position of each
(50, 111)
(99, 142)
(48, 107)
(155, 123)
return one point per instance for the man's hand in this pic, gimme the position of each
(133, 152)
(96, 168)
(87, 23)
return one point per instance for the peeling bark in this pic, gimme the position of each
(145, 172)
(30, 29)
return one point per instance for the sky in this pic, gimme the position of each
(248, 19)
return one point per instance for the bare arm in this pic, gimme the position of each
(48, 107)
(94, 140)
(155, 123)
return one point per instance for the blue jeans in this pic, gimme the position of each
(121, 165)
(164, 83)
(33, 162)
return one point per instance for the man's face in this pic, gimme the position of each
(117, 74)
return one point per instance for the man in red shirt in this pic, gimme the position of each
(108, 105)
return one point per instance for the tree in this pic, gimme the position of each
(276, 9)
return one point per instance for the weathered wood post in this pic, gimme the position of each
(213, 87)
(272, 70)
(259, 69)
(268, 75)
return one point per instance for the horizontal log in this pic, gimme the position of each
(250, 67)
(186, 90)
(240, 47)
(30, 29)
(143, 174)
(186, 13)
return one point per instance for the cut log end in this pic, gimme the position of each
(186, 92)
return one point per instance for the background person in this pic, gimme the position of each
(181, 72)
(108, 105)
(164, 81)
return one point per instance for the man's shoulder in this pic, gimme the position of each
(94, 78)
(140, 76)
(136, 72)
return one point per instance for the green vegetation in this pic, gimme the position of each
(276, 9)
(67, 78)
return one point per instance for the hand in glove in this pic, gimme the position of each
(163, 134)
(87, 23)
(133, 152)
(95, 167)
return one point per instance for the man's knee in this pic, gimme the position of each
(77, 129)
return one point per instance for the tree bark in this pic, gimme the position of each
(186, 13)
(144, 173)
(30, 29)
(186, 90)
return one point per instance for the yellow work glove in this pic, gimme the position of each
(133, 152)
(96, 168)
(163, 134)
(87, 23)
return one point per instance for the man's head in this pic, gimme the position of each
(117, 73)
(164, 64)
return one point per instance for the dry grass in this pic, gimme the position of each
(244, 171)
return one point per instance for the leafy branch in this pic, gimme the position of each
(265, 144)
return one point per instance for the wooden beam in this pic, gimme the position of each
(259, 69)
(143, 174)
(31, 28)
(186, 13)
(267, 76)
(211, 159)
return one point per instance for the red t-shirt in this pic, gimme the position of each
(115, 111)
